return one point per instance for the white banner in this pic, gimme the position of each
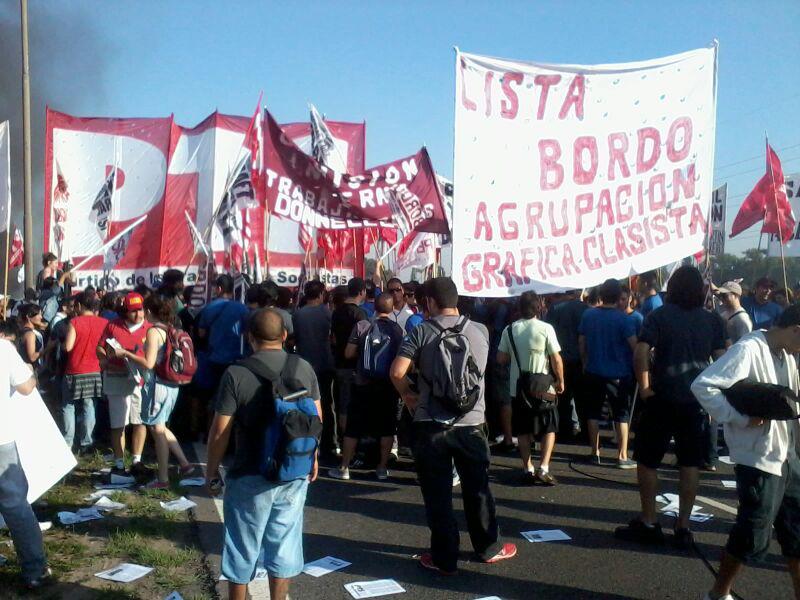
(566, 175)
(791, 248)
(5, 177)
(716, 226)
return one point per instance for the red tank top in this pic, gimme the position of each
(83, 358)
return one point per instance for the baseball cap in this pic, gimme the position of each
(133, 301)
(730, 287)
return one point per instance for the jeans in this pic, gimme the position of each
(68, 420)
(18, 514)
(328, 443)
(263, 516)
(436, 448)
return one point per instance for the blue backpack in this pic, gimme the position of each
(291, 436)
(379, 347)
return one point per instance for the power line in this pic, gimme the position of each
(744, 160)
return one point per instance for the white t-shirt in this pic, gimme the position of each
(536, 342)
(13, 372)
(737, 323)
(401, 316)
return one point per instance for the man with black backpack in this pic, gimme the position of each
(449, 353)
(274, 461)
(373, 410)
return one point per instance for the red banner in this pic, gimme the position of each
(403, 192)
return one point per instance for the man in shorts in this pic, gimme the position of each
(259, 515)
(765, 453)
(682, 337)
(373, 409)
(531, 346)
(606, 342)
(121, 379)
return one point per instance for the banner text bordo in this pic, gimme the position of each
(568, 175)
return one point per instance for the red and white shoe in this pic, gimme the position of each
(506, 552)
(426, 561)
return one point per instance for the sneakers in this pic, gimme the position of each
(119, 472)
(507, 551)
(638, 532)
(456, 479)
(188, 471)
(725, 597)
(545, 478)
(594, 459)
(382, 474)
(528, 477)
(684, 539)
(506, 447)
(426, 561)
(339, 473)
(38, 583)
(626, 464)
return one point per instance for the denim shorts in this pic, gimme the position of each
(158, 401)
(263, 516)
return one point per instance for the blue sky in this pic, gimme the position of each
(391, 64)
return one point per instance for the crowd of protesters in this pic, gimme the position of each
(402, 368)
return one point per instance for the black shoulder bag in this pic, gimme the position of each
(533, 388)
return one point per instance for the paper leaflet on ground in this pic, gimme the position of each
(43, 453)
(545, 535)
(124, 573)
(729, 483)
(99, 494)
(672, 507)
(81, 516)
(108, 487)
(193, 482)
(567, 175)
(373, 589)
(174, 596)
(178, 505)
(489, 598)
(323, 566)
(105, 503)
(726, 459)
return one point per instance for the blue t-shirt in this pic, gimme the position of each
(650, 304)
(607, 331)
(369, 308)
(223, 320)
(763, 316)
(413, 321)
(638, 319)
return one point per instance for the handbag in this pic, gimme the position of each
(763, 400)
(533, 389)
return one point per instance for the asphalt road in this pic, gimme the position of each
(380, 526)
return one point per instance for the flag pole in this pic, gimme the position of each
(108, 244)
(26, 148)
(5, 283)
(777, 214)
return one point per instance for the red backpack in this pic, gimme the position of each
(180, 363)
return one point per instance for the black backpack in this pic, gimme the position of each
(455, 376)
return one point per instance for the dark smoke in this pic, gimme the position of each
(67, 64)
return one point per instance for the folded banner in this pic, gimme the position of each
(403, 192)
(716, 224)
(566, 175)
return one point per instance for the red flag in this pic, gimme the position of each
(328, 245)
(767, 202)
(778, 218)
(16, 254)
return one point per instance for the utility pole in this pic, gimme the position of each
(26, 147)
